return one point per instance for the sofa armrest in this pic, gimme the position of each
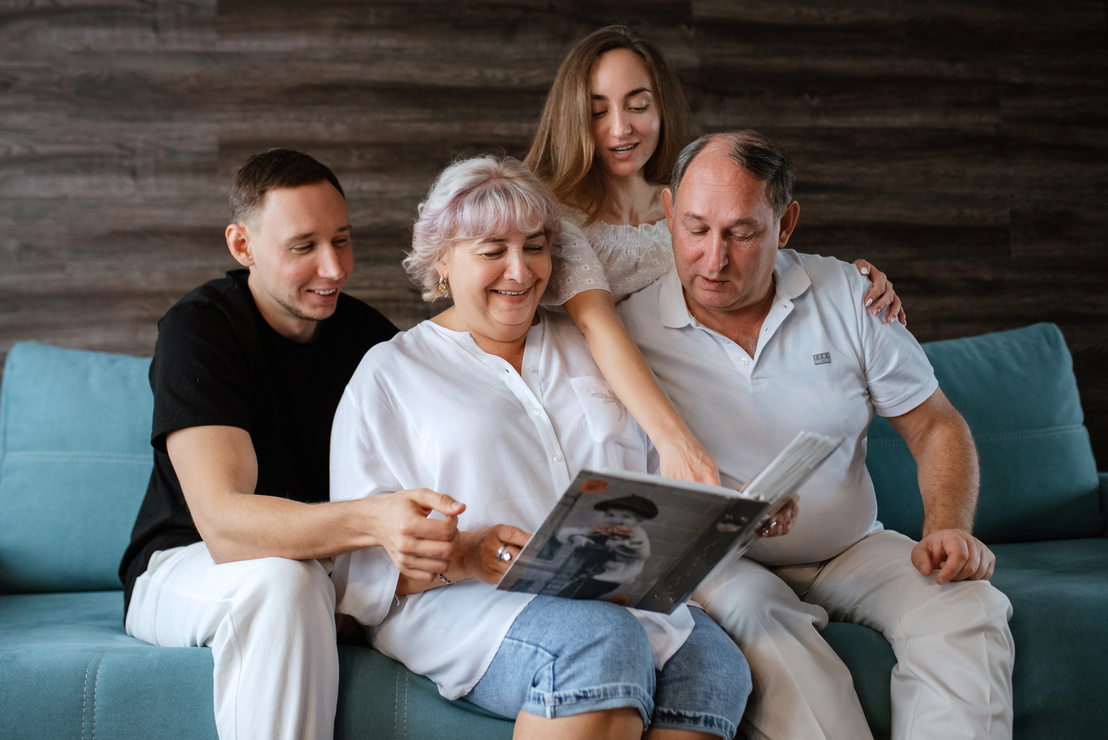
(1104, 496)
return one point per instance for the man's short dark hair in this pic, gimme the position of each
(753, 152)
(273, 169)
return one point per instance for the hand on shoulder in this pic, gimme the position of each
(881, 295)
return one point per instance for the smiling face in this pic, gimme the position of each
(299, 251)
(625, 118)
(725, 236)
(496, 284)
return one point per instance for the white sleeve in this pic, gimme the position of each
(898, 373)
(899, 376)
(365, 580)
(576, 269)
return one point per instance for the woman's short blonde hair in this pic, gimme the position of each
(562, 152)
(474, 199)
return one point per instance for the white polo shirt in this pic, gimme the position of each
(431, 409)
(822, 363)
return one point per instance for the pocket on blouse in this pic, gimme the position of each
(607, 418)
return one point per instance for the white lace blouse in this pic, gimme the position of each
(619, 258)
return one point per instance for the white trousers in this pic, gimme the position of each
(955, 654)
(271, 626)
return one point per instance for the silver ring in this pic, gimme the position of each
(503, 554)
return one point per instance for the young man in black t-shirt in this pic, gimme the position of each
(248, 370)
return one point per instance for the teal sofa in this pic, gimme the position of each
(75, 457)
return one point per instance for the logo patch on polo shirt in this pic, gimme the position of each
(823, 358)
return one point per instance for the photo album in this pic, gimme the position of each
(647, 542)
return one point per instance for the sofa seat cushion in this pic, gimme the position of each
(67, 669)
(380, 698)
(870, 659)
(1059, 595)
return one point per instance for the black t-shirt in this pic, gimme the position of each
(217, 362)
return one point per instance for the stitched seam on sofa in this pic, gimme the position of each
(95, 688)
(4, 404)
(1032, 433)
(993, 436)
(114, 458)
(406, 674)
(84, 695)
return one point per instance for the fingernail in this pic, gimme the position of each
(864, 271)
(869, 302)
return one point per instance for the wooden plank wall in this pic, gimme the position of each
(961, 146)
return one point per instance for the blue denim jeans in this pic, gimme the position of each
(563, 657)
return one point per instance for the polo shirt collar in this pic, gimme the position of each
(790, 277)
(792, 280)
(671, 301)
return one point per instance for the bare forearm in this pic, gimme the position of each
(218, 471)
(946, 458)
(623, 365)
(254, 526)
(949, 479)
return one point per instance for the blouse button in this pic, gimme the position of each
(557, 458)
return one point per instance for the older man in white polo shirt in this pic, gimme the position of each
(754, 342)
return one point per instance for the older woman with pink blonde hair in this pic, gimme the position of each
(498, 403)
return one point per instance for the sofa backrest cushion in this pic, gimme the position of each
(75, 458)
(1017, 391)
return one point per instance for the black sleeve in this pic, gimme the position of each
(200, 375)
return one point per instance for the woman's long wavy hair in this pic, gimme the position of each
(562, 152)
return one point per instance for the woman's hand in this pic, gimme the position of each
(479, 554)
(687, 459)
(881, 294)
(475, 555)
(780, 523)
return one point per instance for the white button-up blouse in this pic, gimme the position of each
(431, 409)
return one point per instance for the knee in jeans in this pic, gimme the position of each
(737, 679)
(610, 634)
(714, 653)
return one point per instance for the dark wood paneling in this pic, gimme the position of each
(963, 147)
